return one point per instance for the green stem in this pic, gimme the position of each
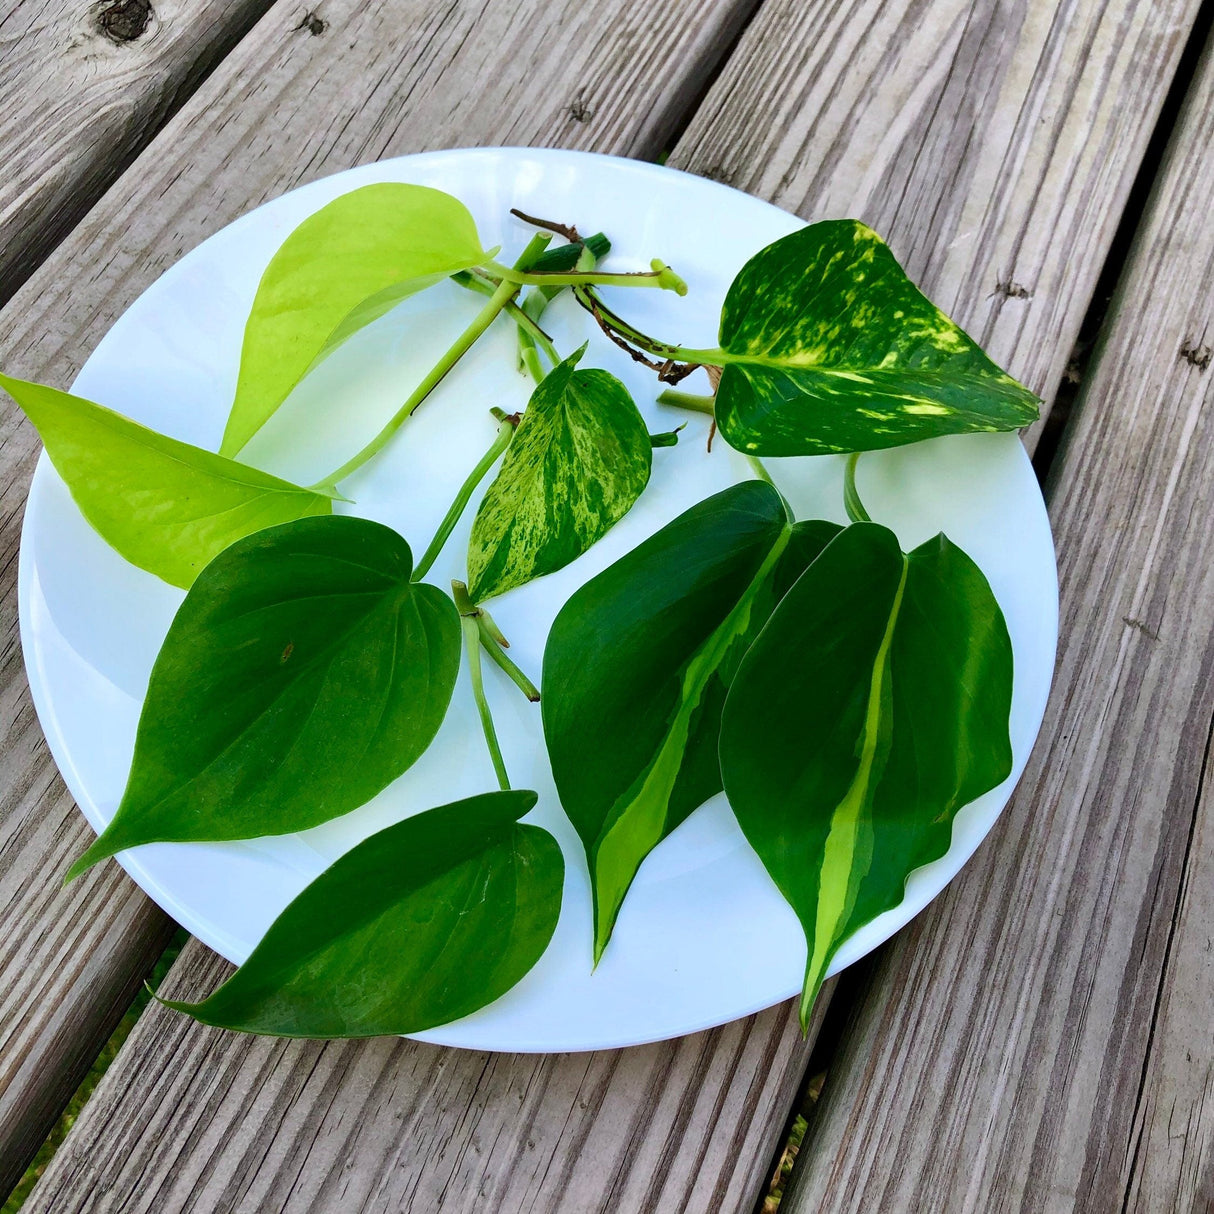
(492, 646)
(533, 308)
(472, 645)
(526, 323)
(851, 498)
(661, 276)
(505, 431)
(688, 400)
(756, 466)
(530, 357)
(484, 318)
(614, 323)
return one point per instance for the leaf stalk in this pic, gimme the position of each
(484, 318)
(505, 431)
(469, 622)
(851, 497)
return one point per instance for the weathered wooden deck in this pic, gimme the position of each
(1042, 1038)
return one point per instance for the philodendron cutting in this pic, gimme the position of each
(848, 697)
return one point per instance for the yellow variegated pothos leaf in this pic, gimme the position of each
(827, 346)
(579, 459)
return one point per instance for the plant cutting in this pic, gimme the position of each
(311, 664)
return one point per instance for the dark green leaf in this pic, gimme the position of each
(870, 709)
(164, 505)
(829, 347)
(418, 925)
(343, 267)
(636, 668)
(579, 459)
(303, 673)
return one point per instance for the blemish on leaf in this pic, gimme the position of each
(1196, 354)
(313, 23)
(124, 20)
(286, 653)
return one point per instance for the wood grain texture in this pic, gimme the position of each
(993, 144)
(288, 106)
(84, 84)
(1172, 1142)
(1041, 1038)
(195, 1119)
(294, 101)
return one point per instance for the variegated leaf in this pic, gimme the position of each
(828, 347)
(636, 669)
(872, 707)
(579, 459)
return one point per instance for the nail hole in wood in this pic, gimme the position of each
(1196, 354)
(313, 23)
(1010, 289)
(579, 111)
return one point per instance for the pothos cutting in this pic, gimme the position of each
(847, 696)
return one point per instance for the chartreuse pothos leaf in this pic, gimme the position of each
(343, 267)
(870, 709)
(303, 673)
(828, 346)
(580, 457)
(416, 926)
(636, 669)
(164, 505)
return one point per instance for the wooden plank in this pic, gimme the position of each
(1172, 1141)
(293, 102)
(248, 1125)
(992, 144)
(95, 81)
(1041, 1039)
(123, 1093)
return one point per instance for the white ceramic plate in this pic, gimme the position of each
(703, 937)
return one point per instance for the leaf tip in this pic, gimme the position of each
(99, 851)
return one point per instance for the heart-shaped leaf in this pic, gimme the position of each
(829, 347)
(871, 708)
(416, 926)
(579, 459)
(636, 669)
(303, 673)
(165, 505)
(343, 267)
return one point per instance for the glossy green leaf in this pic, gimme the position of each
(636, 669)
(579, 459)
(165, 505)
(343, 267)
(829, 347)
(303, 673)
(870, 709)
(416, 926)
